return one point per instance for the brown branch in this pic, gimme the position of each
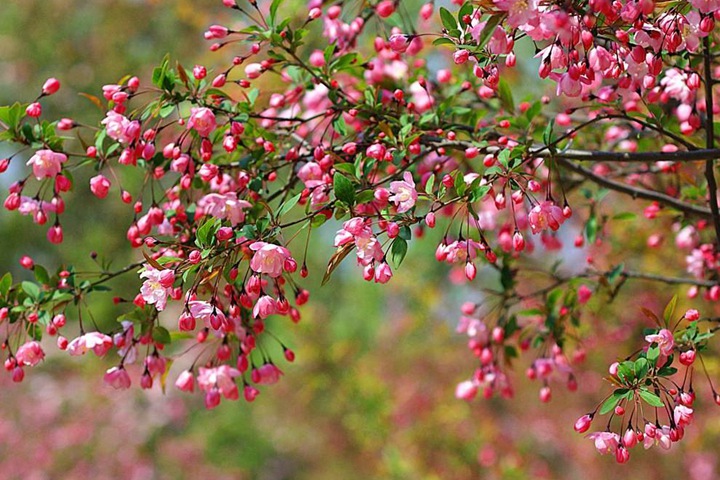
(636, 192)
(541, 151)
(710, 139)
(669, 280)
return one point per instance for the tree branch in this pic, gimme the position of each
(636, 192)
(710, 139)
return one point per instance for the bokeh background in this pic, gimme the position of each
(370, 395)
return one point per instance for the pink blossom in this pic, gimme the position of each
(157, 286)
(404, 192)
(605, 442)
(267, 374)
(202, 120)
(383, 273)
(117, 378)
(185, 381)
(583, 424)
(99, 186)
(120, 128)
(29, 353)
(584, 294)
(466, 390)
(706, 6)
(545, 215)
(269, 258)
(687, 238)
(220, 379)
(664, 339)
(95, 341)
(51, 86)
(520, 12)
(683, 415)
(253, 70)
(399, 42)
(46, 163)
(265, 306)
(224, 206)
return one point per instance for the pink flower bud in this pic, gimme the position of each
(34, 110)
(27, 262)
(583, 424)
(399, 43)
(51, 85)
(470, 271)
(385, 8)
(691, 315)
(55, 234)
(99, 186)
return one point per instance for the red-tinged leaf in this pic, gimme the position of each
(95, 100)
(336, 259)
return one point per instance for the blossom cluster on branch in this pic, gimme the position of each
(241, 166)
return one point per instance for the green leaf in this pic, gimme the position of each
(489, 29)
(31, 289)
(650, 398)
(615, 272)
(288, 205)
(340, 126)
(41, 275)
(448, 20)
(161, 335)
(206, 231)
(273, 10)
(506, 96)
(5, 284)
(430, 184)
(504, 157)
(548, 136)
(625, 371)
(652, 354)
(624, 216)
(344, 190)
(533, 111)
(670, 309)
(398, 251)
(443, 41)
(641, 367)
(612, 401)
(591, 229)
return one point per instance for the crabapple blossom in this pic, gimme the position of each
(404, 193)
(202, 120)
(269, 258)
(664, 339)
(157, 286)
(30, 353)
(46, 163)
(98, 342)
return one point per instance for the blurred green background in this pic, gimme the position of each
(370, 395)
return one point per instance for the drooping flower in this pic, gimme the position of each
(266, 374)
(46, 163)
(664, 339)
(605, 442)
(220, 378)
(545, 215)
(224, 206)
(95, 341)
(29, 353)
(269, 258)
(121, 129)
(117, 378)
(404, 192)
(202, 120)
